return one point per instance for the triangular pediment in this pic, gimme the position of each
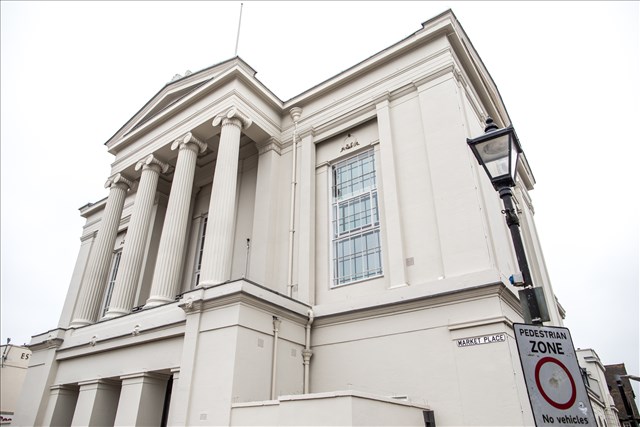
(175, 91)
(169, 99)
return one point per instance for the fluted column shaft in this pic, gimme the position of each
(168, 270)
(218, 244)
(100, 258)
(133, 252)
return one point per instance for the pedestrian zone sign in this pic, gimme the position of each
(556, 390)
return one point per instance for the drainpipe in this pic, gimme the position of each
(295, 115)
(307, 353)
(274, 356)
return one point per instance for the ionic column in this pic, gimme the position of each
(100, 258)
(133, 252)
(166, 276)
(218, 244)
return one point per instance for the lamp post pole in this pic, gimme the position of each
(497, 151)
(513, 222)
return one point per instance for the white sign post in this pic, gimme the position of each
(557, 393)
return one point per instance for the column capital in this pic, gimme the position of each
(151, 161)
(382, 100)
(242, 119)
(97, 382)
(118, 180)
(189, 138)
(269, 145)
(63, 387)
(306, 132)
(144, 375)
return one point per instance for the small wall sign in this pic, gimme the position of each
(485, 339)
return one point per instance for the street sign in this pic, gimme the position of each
(557, 393)
(485, 339)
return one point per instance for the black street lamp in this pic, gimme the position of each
(498, 151)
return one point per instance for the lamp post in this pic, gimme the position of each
(498, 151)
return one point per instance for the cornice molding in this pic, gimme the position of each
(418, 303)
(361, 96)
(88, 236)
(382, 100)
(438, 29)
(210, 78)
(440, 72)
(243, 291)
(345, 121)
(95, 345)
(198, 304)
(53, 340)
(480, 322)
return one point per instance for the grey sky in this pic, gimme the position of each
(73, 73)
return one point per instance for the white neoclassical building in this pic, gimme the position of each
(335, 259)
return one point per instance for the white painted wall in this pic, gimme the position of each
(446, 254)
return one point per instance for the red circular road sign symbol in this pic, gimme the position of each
(558, 405)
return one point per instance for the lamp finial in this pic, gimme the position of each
(490, 125)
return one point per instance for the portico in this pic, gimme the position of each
(195, 161)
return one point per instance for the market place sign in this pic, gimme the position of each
(557, 393)
(485, 339)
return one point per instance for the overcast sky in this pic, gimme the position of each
(74, 73)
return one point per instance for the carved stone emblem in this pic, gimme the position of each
(349, 142)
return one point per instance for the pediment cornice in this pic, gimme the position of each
(179, 94)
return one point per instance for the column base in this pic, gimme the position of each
(112, 314)
(78, 323)
(210, 282)
(156, 301)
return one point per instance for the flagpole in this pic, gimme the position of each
(238, 36)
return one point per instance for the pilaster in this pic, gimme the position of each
(391, 205)
(73, 293)
(175, 382)
(97, 403)
(62, 404)
(461, 230)
(141, 399)
(262, 260)
(43, 368)
(307, 220)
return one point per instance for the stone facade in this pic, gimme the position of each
(310, 261)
